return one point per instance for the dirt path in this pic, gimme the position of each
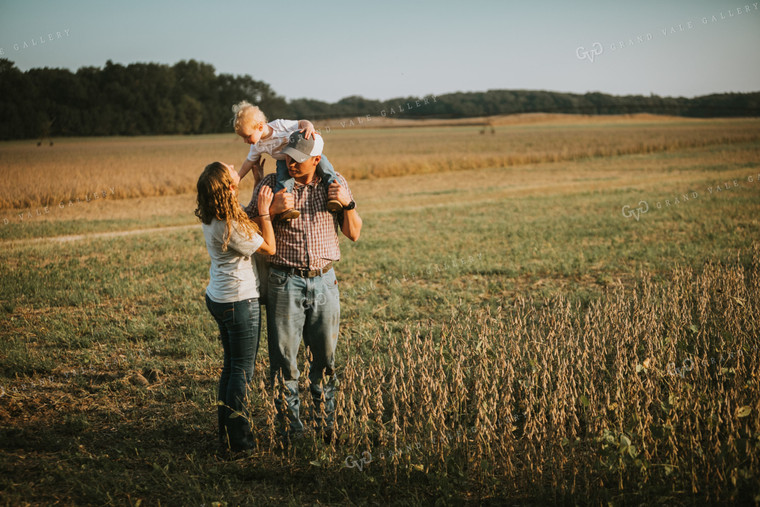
(96, 235)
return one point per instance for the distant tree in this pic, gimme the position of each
(190, 98)
(17, 107)
(312, 109)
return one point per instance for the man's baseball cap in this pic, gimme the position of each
(299, 148)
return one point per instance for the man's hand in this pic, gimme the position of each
(338, 192)
(283, 200)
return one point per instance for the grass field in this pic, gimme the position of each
(511, 332)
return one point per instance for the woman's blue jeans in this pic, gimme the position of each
(239, 325)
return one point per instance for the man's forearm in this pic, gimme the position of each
(245, 168)
(352, 224)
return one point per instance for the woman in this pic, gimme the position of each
(232, 293)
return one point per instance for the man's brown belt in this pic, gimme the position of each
(303, 273)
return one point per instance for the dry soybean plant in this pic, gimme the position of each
(651, 390)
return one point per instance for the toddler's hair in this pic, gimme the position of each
(247, 115)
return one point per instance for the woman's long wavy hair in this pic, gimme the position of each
(217, 198)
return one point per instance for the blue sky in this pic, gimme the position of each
(332, 49)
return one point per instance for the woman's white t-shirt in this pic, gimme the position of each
(232, 274)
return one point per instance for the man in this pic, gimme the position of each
(303, 300)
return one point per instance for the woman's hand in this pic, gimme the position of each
(264, 221)
(264, 200)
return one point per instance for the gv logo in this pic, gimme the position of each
(635, 212)
(352, 462)
(321, 299)
(583, 54)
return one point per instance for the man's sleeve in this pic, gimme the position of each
(343, 182)
(252, 210)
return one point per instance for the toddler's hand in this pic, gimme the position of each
(308, 131)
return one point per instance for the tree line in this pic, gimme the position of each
(189, 97)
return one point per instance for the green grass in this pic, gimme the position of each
(81, 318)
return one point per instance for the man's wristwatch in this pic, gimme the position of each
(351, 205)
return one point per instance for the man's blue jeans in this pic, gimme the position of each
(307, 308)
(284, 180)
(239, 326)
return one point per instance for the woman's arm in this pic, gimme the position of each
(264, 221)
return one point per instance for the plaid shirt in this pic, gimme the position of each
(311, 240)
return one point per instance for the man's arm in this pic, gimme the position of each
(252, 209)
(352, 222)
(283, 200)
(257, 167)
